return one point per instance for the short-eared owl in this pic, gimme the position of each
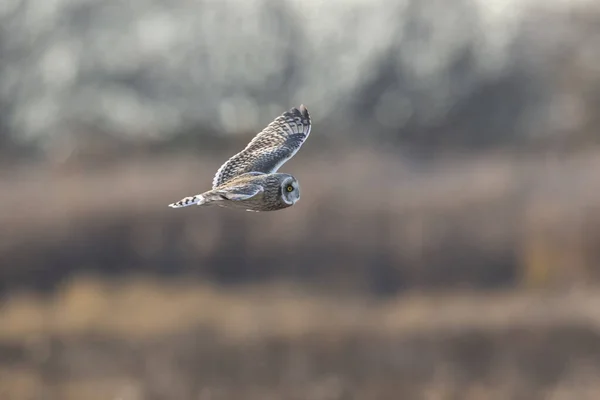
(249, 180)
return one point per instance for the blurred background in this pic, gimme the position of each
(446, 246)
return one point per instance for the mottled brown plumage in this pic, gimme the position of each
(248, 180)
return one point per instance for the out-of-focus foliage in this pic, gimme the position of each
(427, 72)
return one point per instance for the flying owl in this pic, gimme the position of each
(249, 180)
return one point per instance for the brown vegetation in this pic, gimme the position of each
(138, 310)
(366, 221)
(145, 339)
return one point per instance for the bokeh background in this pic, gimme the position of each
(446, 246)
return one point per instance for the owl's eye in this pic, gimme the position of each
(289, 188)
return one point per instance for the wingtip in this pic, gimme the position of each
(303, 110)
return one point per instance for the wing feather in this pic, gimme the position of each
(239, 193)
(270, 148)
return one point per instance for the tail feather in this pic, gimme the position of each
(189, 201)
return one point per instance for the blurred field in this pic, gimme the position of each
(174, 321)
(531, 220)
(144, 339)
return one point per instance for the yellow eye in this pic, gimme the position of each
(289, 188)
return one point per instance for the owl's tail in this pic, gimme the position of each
(189, 201)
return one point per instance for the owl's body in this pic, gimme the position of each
(248, 180)
(251, 192)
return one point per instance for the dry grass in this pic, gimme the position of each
(123, 332)
(146, 308)
(146, 339)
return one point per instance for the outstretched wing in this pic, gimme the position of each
(271, 148)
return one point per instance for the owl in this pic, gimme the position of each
(249, 180)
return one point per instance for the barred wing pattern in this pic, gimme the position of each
(271, 148)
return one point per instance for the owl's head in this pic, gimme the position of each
(289, 189)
